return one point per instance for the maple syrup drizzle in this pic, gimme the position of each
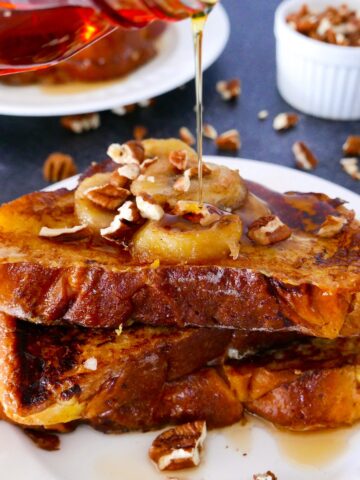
(198, 22)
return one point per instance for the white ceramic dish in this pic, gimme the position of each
(171, 68)
(315, 77)
(89, 455)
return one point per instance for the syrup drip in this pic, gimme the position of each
(198, 22)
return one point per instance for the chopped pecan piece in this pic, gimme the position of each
(194, 171)
(81, 123)
(285, 121)
(352, 145)
(130, 171)
(196, 213)
(186, 136)
(148, 208)
(91, 364)
(332, 226)
(263, 114)
(268, 230)
(107, 196)
(304, 158)
(265, 476)
(147, 162)
(128, 212)
(147, 103)
(58, 166)
(116, 230)
(229, 89)
(118, 180)
(180, 159)
(140, 132)
(183, 183)
(210, 131)
(130, 152)
(179, 447)
(123, 110)
(351, 167)
(229, 140)
(63, 232)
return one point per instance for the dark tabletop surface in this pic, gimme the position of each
(250, 55)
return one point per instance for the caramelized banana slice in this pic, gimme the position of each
(223, 187)
(174, 240)
(87, 211)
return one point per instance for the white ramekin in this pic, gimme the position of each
(315, 77)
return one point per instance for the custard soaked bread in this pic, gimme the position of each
(142, 378)
(142, 250)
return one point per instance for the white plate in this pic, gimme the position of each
(89, 455)
(171, 68)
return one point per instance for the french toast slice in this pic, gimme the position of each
(309, 384)
(58, 376)
(306, 283)
(114, 381)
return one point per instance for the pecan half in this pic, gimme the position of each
(107, 196)
(304, 158)
(332, 226)
(186, 136)
(229, 89)
(285, 121)
(268, 230)
(81, 123)
(179, 447)
(352, 145)
(58, 166)
(229, 140)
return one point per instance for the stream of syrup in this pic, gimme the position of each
(198, 22)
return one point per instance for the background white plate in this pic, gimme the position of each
(171, 68)
(89, 455)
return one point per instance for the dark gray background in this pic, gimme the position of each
(250, 55)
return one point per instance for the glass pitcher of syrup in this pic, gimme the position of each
(38, 33)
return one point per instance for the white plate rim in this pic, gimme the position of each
(171, 68)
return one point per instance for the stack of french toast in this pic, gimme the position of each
(127, 304)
